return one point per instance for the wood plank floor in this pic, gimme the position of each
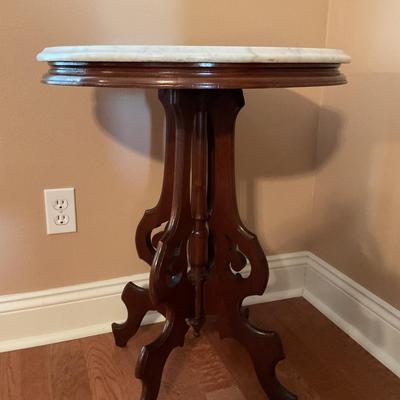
(322, 363)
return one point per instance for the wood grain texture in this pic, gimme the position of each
(322, 363)
(26, 374)
(10, 375)
(36, 374)
(104, 377)
(69, 372)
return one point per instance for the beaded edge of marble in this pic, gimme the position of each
(212, 54)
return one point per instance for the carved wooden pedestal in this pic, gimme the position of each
(195, 261)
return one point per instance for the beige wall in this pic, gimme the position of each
(108, 143)
(357, 194)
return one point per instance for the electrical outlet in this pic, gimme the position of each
(60, 210)
(61, 219)
(60, 204)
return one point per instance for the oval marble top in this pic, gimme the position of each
(193, 54)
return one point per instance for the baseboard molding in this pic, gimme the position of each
(51, 316)
(366, 318)
(55, 315)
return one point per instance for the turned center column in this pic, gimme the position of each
(198, 242)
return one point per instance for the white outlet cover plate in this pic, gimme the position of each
(51, 196)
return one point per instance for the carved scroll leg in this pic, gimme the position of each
(153, 218)
(153, 357)
(265, 349)
(137, 301)
(231, 239)
(169, 284)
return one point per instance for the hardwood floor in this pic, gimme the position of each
(322, 363)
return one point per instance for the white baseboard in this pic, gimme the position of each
(55, 315)
(370, 321)
(50, 316)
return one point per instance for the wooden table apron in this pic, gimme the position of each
(197, 258)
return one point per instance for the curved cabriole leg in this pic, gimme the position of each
(137, 299)
(152, 358)
(231, 238)
(154, 217)
(169, 283)
(265, 349)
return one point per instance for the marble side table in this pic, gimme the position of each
(195, 262)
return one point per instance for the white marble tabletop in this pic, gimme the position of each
(195, 54)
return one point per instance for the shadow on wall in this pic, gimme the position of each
(127, 114)
(357, 213)
(276, 130)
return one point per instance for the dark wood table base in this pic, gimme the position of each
(197, 258)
